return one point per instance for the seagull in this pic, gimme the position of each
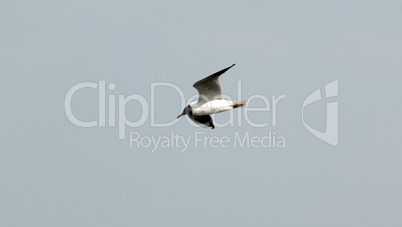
(210, 101)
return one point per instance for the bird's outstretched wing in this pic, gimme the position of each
(204, 121)
(209, 88)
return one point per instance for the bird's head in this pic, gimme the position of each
(186, 111)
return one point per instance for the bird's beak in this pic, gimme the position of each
(179, 116)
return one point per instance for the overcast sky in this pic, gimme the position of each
(54, 173)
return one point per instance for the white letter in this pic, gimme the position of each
(153, 85)
(274, 102)
(256, 109)
(132, 139)
(246, 139)
(123, 121)
(112, 106)
(197, 139)
(67, 105)
(102, 103)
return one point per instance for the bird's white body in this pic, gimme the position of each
(211, 107)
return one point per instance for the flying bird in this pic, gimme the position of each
(210, 101)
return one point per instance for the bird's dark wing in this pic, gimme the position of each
(204, 121)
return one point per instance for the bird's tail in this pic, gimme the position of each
(242, 103)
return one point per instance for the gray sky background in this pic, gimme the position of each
(53, 173)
